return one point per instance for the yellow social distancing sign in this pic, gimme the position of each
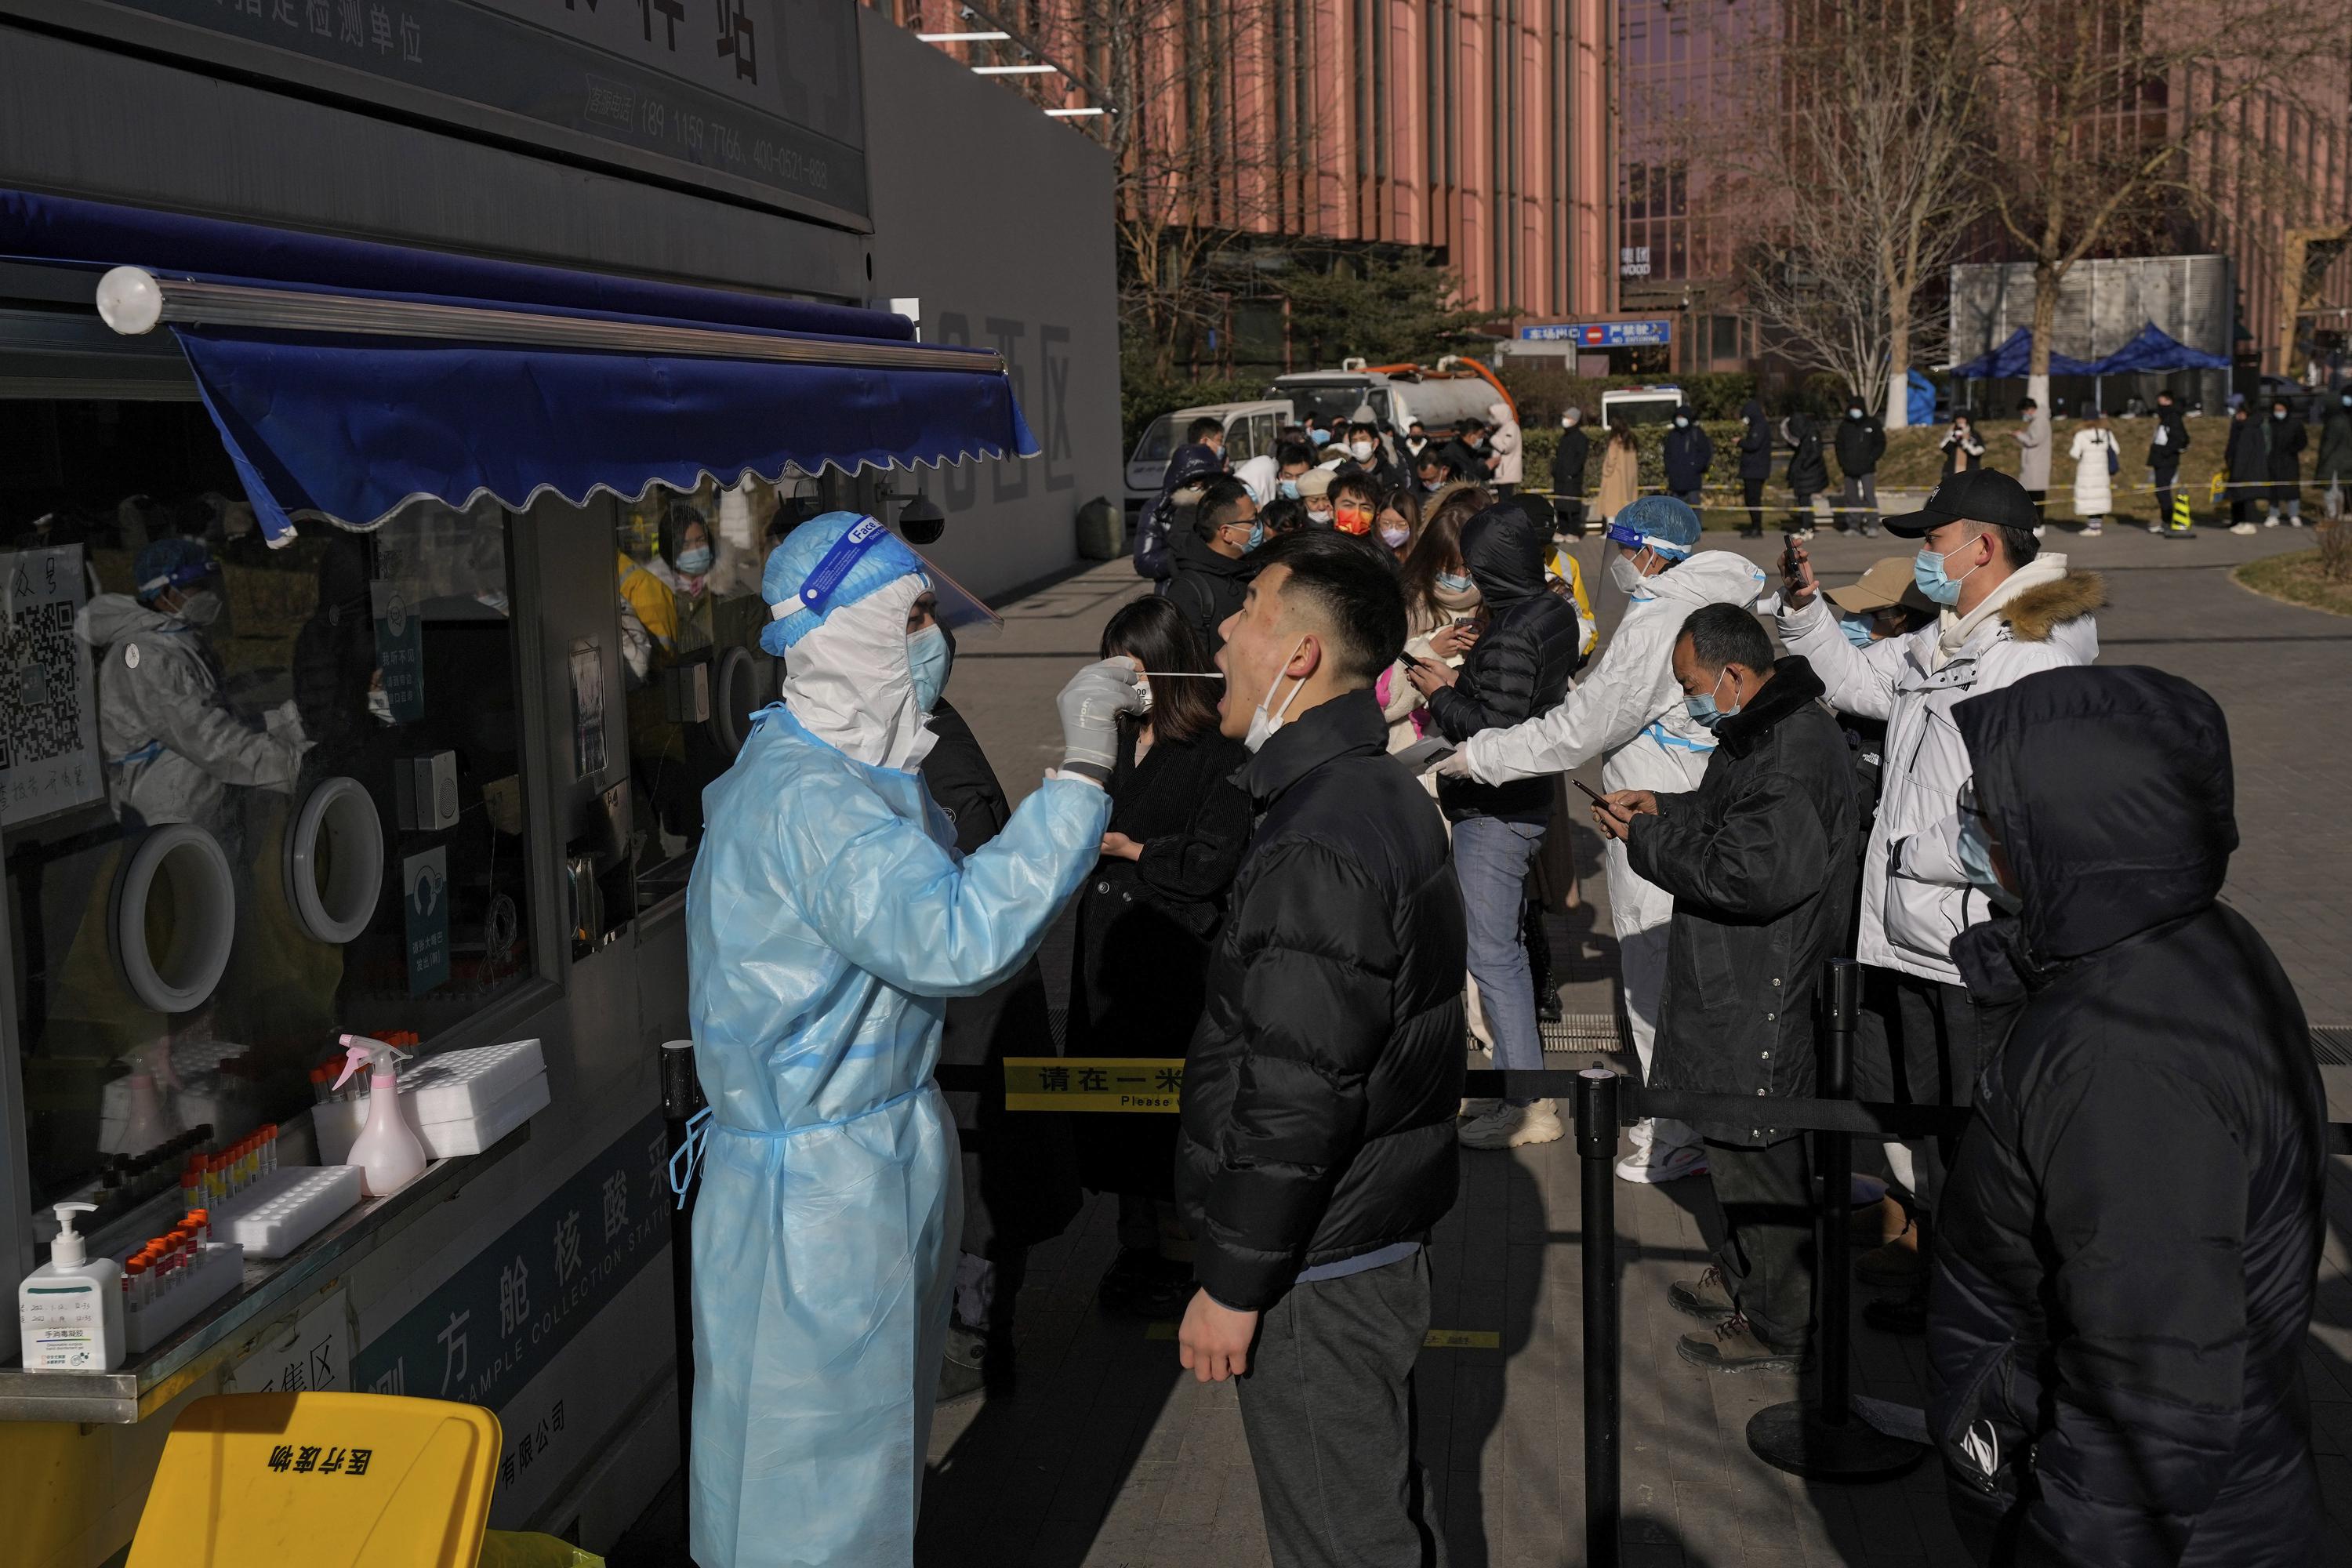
(1093, 1083)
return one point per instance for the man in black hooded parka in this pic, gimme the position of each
(2132, 1228)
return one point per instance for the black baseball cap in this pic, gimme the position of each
(1972, 495)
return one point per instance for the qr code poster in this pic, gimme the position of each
(49, 700)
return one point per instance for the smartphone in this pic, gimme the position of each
(1592, 794)
(1411, 662)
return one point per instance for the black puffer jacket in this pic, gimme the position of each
(2175, 428)
(1755, 443)
(1860, 444)
(1569, 459)
(2132, 1228)
(1320, 1089)
(1207, 587)
(1808, 475)
(1521, 664)
(1762, 860)
(1186, 465)
(1688, 453)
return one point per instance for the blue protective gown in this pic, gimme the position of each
(827, 919)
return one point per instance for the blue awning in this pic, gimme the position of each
(348, 378)
(2015, 357)
(2154, 349)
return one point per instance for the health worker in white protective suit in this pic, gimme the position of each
(1628, 710)
(828, 918)
(174, 748)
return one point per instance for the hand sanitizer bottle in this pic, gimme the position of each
(386, 1151)
(71, 1307)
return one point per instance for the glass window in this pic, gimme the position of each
(1726, 330)
(687, 569)
(1243, 440)
(254, 797)
(1157, 442)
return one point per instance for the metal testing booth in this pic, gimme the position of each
(447, 328)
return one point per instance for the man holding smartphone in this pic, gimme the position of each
(2006, 609)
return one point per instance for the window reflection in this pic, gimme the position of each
(177, 685)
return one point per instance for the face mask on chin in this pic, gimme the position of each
(1263, 723)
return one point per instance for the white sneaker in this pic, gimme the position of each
(1511, 1126)
(2156, 527)
(2295, 521)
(2241, 527)
(2271, 522)
(1661, 1162)
(2091, 530)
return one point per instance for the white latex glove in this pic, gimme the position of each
(1090, 706)
(1456, 765)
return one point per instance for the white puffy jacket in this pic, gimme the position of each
(1914, 896)
(1627, 708)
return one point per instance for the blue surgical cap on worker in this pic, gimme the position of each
(829, 561)
(1665, 524)
(170, 563)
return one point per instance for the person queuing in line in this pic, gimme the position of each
(2332, 471)
(1316, 1144)
(1435, 469)
(2165, 444)
(2244, 463)
(2096, 458)
(1279, 517)
(1467, 448)
(1688, 453)
(1860, 443)
(1961, 445)
(828, 916)
(1416, 441)
(1355, 502)
(1519, 666)
(1020, 1180)
(2032, 437)
(1146, 921)
(1755, 464)
(1442, 610)
(1808, 475)
(2006, 610)
(1628, 712)
(1369, 455)
(1620, 473)
(1293, 461)
(1504, 457)
(2132, 1228)
(1761, 861)
(1568, 460)
(1396, 519)
(1210, 574)
(1201, 458)
(1315, 495)
(2283, 439)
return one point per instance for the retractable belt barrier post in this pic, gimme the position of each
(681, 1096)
(1823, 1441)
(1597, 1123)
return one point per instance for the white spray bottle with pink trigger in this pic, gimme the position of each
(386, 1151)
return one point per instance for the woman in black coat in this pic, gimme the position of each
(1146, 921)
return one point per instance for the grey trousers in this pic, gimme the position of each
(1328, 1405)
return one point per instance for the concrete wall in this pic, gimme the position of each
(2102, 305)
(999, 221)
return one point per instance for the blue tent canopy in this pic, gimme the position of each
(2013, 358)
(2154, 350)
(508, 380)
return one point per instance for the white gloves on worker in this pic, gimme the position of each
(1090, 706)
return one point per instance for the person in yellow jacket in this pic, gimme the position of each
(649, 616)
(1561, 568)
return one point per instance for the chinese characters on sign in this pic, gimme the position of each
(1633, 261)
(425, 898)
(1602, 334)
(488, 1329)
(1105, 1083)
(399, 649)
(49, 702)
(320, 1460)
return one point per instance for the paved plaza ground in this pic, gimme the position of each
(1109, 1457)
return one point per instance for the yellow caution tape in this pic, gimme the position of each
(1092, 1083)
(1435, 1340)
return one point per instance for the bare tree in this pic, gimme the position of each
(2118, 120)
(1854, 172)
(1189, 136)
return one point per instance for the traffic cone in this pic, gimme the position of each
(2181, 523)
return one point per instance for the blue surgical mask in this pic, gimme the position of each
(1320, 438)
(1975, 851)
(1288, 489)
(1680, 423)
(928, 658)
(1853, 413)
(1856, 629)
(1256, 537)
(1454, 582)
(694, 560)
(1703, 709)
(1927, 571)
